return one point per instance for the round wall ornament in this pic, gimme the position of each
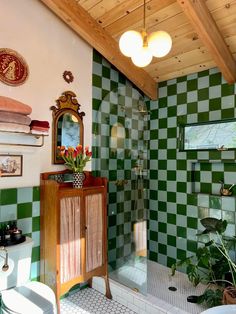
(68, 76)
(13, 68)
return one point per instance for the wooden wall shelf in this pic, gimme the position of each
(21, 139)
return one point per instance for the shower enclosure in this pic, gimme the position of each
(120, 148)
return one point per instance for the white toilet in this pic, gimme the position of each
(19, 295)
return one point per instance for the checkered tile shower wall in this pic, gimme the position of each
(182, 183)
(120, 147)
(23, 205)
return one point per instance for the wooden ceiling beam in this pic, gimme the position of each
(87, 28)
(206, 28)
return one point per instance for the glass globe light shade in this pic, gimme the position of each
(142, 57)
(159, 43)
(129, 42)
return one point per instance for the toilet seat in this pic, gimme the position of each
(33, 297)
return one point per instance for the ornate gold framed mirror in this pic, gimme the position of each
(67, 124)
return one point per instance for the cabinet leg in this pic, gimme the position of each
(58, 306)
(90, 282)
(108, 290)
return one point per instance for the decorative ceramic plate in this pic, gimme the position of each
(13, 68)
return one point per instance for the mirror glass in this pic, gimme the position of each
(220, 135)
(68, 129)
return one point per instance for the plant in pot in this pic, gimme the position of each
(211, 263)
(75, 160)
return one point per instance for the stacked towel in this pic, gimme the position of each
(14, 115)
(39, 127)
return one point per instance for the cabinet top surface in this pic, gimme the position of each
(63, 181)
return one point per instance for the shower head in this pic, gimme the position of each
(142, 109)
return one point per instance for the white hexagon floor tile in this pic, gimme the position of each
(90, 301)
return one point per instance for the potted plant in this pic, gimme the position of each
(75, 160)
(211, 263)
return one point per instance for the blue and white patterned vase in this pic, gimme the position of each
(78, 178)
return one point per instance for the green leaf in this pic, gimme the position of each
(221, 226)
(213, 225)
(209, 243)
(211, 297)
(202, 251)
(173, 269)
(204, 261)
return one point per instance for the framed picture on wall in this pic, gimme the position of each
(11, 165)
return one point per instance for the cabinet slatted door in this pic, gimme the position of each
(70, 244)
(94, 231)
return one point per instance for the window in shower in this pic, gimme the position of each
(220, 135)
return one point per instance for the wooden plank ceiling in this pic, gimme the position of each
(203, 34)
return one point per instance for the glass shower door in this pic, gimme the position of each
(121, 145)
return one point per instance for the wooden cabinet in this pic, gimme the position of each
(73, 232)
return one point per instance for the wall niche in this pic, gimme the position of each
(206, 177)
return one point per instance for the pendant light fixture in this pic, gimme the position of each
(141, 47)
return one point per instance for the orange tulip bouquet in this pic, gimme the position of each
(75, 158)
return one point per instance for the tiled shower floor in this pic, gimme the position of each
(159, 280)
(158, 299)
(90, 301)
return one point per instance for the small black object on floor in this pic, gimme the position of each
(192, 298)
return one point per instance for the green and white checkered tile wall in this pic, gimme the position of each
(184, 186)
(180, 187)
(23, 205)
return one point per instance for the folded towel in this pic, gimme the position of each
(44, 124)
(13, 117)
(36, 132)
(12, 105)
(38, 128)
(14, 127)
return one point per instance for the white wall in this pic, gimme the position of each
(49, 48)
